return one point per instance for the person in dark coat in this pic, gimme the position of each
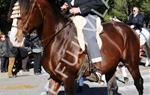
(3, 53)
(136, 19)
(37, 51)
(22, 57)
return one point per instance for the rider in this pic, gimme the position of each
(83, 8)
(136, 19)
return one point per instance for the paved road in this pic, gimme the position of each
(129, 88)
(28, 84)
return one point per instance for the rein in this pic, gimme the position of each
(54, 35)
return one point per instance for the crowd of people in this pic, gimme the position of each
(13, 59)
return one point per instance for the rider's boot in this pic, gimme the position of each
(95, 73)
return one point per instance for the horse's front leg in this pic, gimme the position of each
(69, 86)
(52, 87)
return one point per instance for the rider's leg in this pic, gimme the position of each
(90, 38)
(93, 49)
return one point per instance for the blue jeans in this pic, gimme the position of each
(4, 64)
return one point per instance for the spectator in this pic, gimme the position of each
(22, 57)
(25, 52)
(3, 53)
(12, 51)
(36, 52)
(21, 60)
(136, 21)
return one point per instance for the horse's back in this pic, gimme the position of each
(118, 32)
(120, 28)
(118, 40)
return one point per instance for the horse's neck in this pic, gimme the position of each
(53, 21)
(54, 13)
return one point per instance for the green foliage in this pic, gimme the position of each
(118, 9)
(145, 7)
(122, 8)
(4, 8)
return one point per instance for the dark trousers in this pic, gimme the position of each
(37, 62)
(18, 65)
(21, 64)
(25, 63)
(4, 64)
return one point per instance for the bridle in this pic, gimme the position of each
(25, 26)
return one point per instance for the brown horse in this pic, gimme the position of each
(63, 57)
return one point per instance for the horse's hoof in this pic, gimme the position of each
(92, 78)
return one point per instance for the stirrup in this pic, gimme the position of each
(92, 78)
(92, 68)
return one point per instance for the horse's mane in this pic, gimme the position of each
(25, 5)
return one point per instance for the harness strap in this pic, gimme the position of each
(54, 35)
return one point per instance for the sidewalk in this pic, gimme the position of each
(20, 73)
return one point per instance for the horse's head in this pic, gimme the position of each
(30, 19)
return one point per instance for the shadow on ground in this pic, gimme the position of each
(90, 91)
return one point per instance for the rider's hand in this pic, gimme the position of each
(75, 10)
(64, 6)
